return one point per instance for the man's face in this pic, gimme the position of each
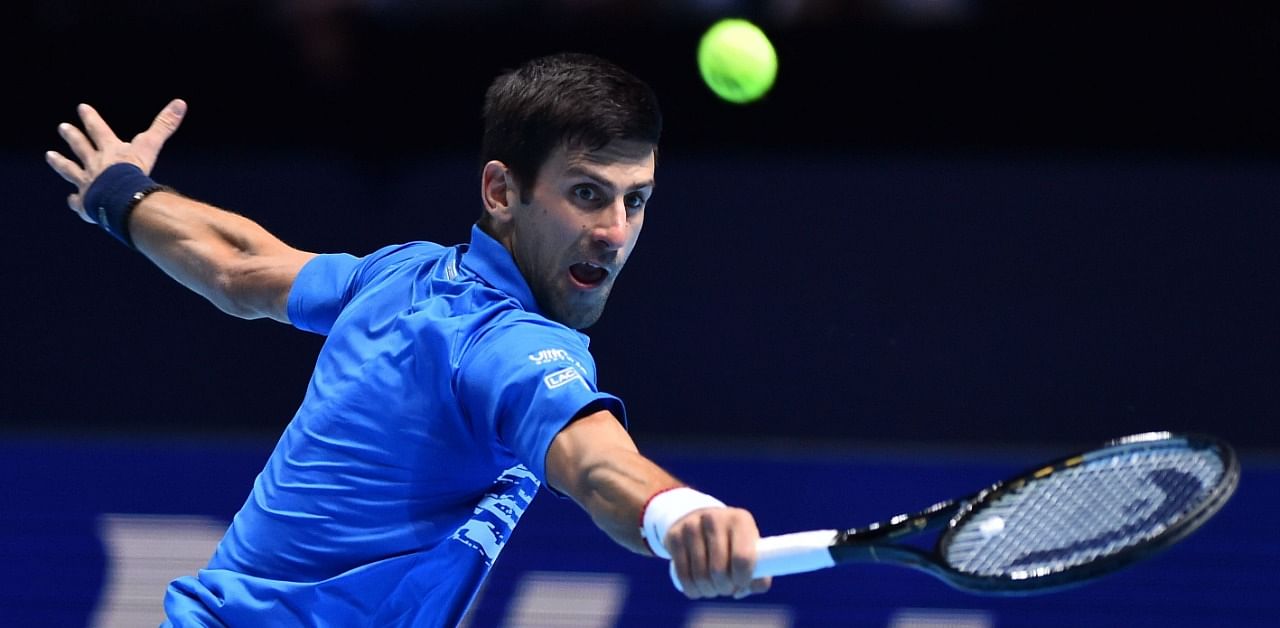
(581, 222)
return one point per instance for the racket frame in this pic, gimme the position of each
(872, 543)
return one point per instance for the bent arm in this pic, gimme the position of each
(594, 461)
(230, 260)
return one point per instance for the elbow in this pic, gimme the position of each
(233, 292)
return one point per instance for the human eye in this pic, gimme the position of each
(635, 200)
(586, 193)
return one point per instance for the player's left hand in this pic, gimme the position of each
(97, 148)
(714, 553)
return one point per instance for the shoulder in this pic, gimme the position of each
(519, 326)
(396, 254)
(523, 337)
(325, 285)
(395, 261)
(387, 256)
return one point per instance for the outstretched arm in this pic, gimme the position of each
(594, 461)
(228, 259)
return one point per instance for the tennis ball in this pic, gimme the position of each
(737, 61)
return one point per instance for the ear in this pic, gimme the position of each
(498, 192)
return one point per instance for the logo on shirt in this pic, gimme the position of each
(550, 355)
(498, 512)
(564, 376)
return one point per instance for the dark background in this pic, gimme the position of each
(959, 223)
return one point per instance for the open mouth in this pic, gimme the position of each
(588, 274)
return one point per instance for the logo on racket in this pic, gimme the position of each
(1179, 488)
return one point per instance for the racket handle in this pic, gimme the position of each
(787, 554)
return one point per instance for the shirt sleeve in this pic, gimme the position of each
(525, 381)
(328, 282)
(320, 291)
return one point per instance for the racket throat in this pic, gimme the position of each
(876, 553)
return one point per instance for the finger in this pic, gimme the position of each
(718, 566)
(96, 128)
(680, 561)
(742, 556)
(698, 585)
(69, 170)
(76, 141)
(760, 585)
(164, 125)
(77, 206)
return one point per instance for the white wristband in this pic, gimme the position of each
(668, 507)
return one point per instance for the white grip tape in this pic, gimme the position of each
(787, 554)
(668, 507)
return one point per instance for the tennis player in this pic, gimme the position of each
(453, 382)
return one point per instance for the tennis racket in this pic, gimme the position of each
(1058, 525)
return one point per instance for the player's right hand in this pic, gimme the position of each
(96, 148)
(714, 553)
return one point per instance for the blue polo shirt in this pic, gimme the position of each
(421, 440)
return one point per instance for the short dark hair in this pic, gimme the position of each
(571, 99)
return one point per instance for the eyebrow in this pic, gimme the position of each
(583, 172)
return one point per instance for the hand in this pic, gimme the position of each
(97, 148)
(714, 552)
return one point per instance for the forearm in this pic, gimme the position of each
(614, 490)
(595, 462)
(712, 547)
(226, 258)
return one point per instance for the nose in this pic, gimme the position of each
(613, 227)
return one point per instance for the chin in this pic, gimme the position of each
(581, 317)
(581, 320)
(576, 310)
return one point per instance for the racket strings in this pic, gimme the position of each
(1081, 513)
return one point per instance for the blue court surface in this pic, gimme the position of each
(94, 530)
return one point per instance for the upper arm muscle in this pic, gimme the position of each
(274, 280)
(581, 444)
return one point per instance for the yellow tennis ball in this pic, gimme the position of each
(737, 61)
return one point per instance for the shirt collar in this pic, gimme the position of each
(489, 260)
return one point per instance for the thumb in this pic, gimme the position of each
(162, 127)
(76, 204)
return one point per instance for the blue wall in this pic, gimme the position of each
(58, 562)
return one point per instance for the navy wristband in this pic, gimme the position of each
(113, 195)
